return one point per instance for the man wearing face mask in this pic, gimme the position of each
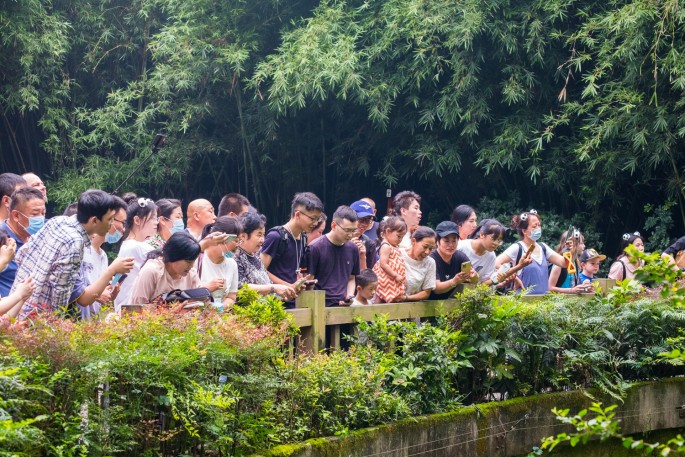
(26, 218)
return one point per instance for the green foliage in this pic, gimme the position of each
(658, 225)
(266, 310)
(421, 363)
(597, 422)
(225, 383)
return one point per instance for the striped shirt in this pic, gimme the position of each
(53, 258)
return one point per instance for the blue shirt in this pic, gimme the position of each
(7, 276)
(582, 278)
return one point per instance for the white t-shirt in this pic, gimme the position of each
(94, 265)
(420, 273)
(139, 251)
(483, 264)
(226, 270)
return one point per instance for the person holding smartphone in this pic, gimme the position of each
(449, 275)
(535, 275)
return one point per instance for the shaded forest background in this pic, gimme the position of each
(575, 108)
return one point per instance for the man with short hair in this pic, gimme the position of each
(27, 216)
(233, 204)
(9, 182)
(200, 213)
(284, 247)
(32, 180)
(334, 259)
(53, 256)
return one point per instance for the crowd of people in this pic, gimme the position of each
(59, 265)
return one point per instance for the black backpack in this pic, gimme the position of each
(282, 247)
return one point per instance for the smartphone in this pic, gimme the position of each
(118, 278)
(231, 238)
(466, 267)
(347, 301)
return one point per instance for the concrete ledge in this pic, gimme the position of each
(497, 429)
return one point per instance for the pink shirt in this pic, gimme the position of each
(153, 280)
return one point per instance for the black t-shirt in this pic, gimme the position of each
(332, 266)
(446, 271)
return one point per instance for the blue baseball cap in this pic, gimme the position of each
(362, 208)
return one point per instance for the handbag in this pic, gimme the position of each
(201, 294)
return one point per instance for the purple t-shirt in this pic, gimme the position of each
(284, 266)
(332, 266)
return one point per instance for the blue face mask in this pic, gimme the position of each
(178, 226)
(35, 224)
(112, 238)
(228, 255)
(535, 234)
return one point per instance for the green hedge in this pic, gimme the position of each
(225, 384)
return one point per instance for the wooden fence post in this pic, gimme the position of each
(314, 338)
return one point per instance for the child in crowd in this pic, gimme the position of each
(589, 264)
(366, 283)
(390, 268)
(623, 268)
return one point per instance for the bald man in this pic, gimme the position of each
(200, 213)
(32, 180)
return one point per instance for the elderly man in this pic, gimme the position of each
(32, 180)
(200, 213)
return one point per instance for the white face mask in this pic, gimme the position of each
(536, 234)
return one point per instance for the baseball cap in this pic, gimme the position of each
(590, 254)
(362, 208)
(445, 228)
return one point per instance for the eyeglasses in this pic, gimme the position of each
(367, 220)
(313, 219)
(143, 202)
(348, 230)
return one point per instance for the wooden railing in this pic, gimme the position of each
(313, 317)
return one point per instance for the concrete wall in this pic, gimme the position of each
(498, 429)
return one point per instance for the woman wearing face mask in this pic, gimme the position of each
(623, 268)
(420, 265)
(535, 275)
(217, 261)
(167, 269)
(170, 216)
